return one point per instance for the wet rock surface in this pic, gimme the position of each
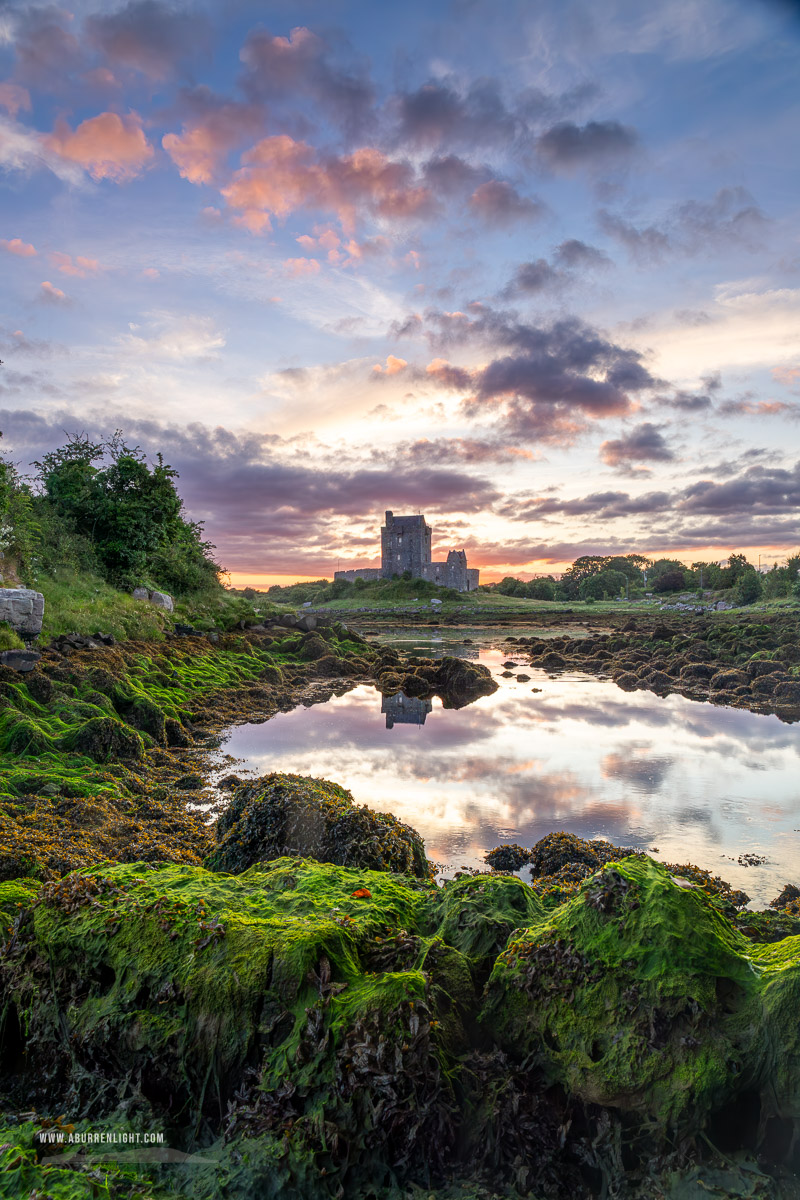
(751, 662)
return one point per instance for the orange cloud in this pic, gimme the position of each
(18, 247)
(53, 295)
(280, 175)
(13, 98)
(107, 146)
(297, 267)
(79, 266)
(393, 366)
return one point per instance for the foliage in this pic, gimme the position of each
(601, 586)
(630, 565)
(542, 588)
(128, 515)
(748, 586)
(671, 581)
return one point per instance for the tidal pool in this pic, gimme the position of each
(686, 781)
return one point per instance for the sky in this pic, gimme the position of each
(530, 268)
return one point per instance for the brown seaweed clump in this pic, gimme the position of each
(294, 815)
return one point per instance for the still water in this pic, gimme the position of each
(686, 781)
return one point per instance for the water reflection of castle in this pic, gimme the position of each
(405, 710)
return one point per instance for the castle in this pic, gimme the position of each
(406, 546)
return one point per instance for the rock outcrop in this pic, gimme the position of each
(23, 609)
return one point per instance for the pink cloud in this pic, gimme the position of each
(52, 295)
(18, 247)
(151, 273)
(788, 376)
(296, 268)
(212, 128)
(79, 266)
(107, 146)
(13, 98)
(197, 153)
(280, 175)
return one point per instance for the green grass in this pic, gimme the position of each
(84, 603)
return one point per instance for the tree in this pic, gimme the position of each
(748, 587)
(670, 581)
(605, 585)
(131, 513)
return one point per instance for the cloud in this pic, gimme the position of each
(749, 407)
(147, 36)
(533, 277)
(788, 377)
(80, 267)
(18, 247)
(450, 175)
(601, 506)
(174, 336)
(692, 227)
(281, 175)
(644, 443)
(297, 268)
(573, 254)
(50, 294)
(13, 98)
(212, 127)
(279, 69)
(394, 366)
(107, 146)
(47, 51)
(23, 150)
(436, 115)
(541, 275)
(758, 490)
(567, 146)
(499, 203)
(552, 379)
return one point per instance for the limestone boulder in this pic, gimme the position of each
(162, 600)
(23, 609)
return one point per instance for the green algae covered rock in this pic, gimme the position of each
(296, 815)
(639, 995)
(318, 1031)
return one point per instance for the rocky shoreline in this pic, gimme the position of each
(301, 1011)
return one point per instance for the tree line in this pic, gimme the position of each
(605, 577)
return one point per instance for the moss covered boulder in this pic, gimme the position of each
(293, 814)
(638, 995)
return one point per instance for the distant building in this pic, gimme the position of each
(406, 546)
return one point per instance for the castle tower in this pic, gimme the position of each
(405, 546)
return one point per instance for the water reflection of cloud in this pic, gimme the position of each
(691, 778)
(630, 764)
